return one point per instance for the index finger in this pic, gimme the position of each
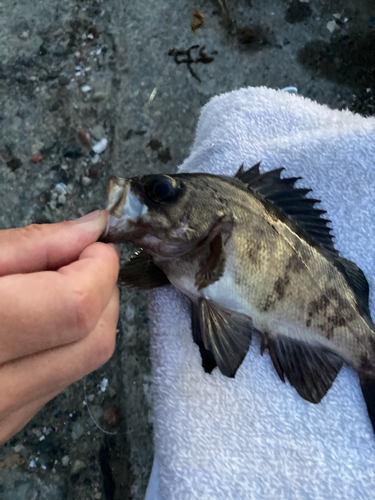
(43, 310)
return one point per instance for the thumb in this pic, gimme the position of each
(41, 247)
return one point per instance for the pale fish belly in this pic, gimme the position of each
(228, 294)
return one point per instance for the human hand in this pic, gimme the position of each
(59, 307)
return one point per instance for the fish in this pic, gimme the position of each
(254, 255)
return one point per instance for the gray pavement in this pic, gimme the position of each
(123, 71)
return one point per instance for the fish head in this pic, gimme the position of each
(164, 214)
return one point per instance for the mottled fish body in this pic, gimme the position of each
(253, 255)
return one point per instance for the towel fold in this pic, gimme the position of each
(253, 437)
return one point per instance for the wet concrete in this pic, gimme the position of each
(135, 74)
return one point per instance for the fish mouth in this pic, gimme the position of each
(124, 210)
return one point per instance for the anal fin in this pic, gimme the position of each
(368, 391)
(311, 370)
(141, 272)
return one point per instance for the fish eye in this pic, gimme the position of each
(162, 189)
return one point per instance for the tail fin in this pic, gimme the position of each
(368, 391)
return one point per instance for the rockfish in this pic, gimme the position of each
(254, 255)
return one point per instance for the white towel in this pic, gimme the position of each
(253, 437)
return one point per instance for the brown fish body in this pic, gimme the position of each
(248, 265)
(283, 284)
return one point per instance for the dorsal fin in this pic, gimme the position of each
(293, 202)
(358, 282)
(290, 200)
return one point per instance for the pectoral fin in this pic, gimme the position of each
(310, 370)
(212, 268)
(208, 360)
(225, 334)
(141, 272)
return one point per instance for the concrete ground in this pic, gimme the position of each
(135, 74)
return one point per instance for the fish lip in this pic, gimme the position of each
(123, 209)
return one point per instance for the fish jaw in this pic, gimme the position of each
(124, 211)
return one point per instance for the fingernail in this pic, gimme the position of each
(116, 247)
(95, 221)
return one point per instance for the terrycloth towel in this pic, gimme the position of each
(253, 437)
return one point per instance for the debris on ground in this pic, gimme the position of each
(197, 21)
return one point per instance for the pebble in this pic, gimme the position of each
(103, 385)
(84, 137)
(62, 199)
(65, 460)
(60, 188)
(111, 416)
(99, 96)
(37, 158)
(97, 131)
(130, 313)
(25, 35)
(78, 466)
(98, 495)
(331, 26)
(100, 146)
(86, 181)
(96, 411)
(91, 397)
(77, 430)
(36, 147)
(95, 159)
(86, 88)
(64, 79)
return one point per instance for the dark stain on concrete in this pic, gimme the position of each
(297, 12)
(347, 59)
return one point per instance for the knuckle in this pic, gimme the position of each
(33, 229)
(86, 313)
(104, 348)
